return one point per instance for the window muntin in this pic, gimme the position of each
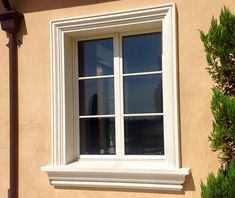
(138, 85)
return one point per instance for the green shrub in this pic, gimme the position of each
(222, 185)
(219, 45)
(223, 134)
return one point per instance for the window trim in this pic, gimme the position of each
(64, 171)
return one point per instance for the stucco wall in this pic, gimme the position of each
(35, 95)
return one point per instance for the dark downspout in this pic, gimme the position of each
(10, 22)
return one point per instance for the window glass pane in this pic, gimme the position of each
(95, 57)
(142, 53)
(144, 135)
(97, 136)
(96, 96)
(143, 94)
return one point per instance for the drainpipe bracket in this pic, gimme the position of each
(10, 21)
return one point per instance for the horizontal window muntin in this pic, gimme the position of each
(142, 73)
(123, 158)
(129, 74)
(95, 77)
(119, 115)
(126, 115)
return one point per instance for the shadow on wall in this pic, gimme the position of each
(23, 32)
(189, 183)
(26, 6)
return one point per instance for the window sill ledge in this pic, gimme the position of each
(157, 179)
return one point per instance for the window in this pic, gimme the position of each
(115, 116)
(120, 102)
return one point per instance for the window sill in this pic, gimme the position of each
(153, 179)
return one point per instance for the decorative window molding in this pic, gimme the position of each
(66, 168)
(155, 179)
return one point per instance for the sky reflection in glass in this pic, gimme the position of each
(143, 94)
(142, 53)
(95, 57)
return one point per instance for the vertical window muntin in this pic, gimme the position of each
(119, 115)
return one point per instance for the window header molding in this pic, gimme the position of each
(146, 17)
(63, 171)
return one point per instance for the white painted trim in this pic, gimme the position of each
(137, 186)
(165, 179)
(97, 116)
(143, 114)
(95, 77)
(142, 73)
(165, 172)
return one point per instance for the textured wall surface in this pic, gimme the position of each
(35, 95)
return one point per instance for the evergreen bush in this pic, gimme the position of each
(222, 185)
(223, 134)
(219, 45)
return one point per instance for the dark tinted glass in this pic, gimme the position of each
(142, 53)
(144, 135)
(96, 96)
(97, 136)
(95, 57)
(143, 94)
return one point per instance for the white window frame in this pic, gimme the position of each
(118, 89)
(66, 169)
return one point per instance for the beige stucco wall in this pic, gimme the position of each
(35, 95)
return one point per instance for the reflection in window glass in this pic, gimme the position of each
(143, 94)
(144, 135)
(95, 57)
(142, 53)
(96, 96)
(97, 136)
